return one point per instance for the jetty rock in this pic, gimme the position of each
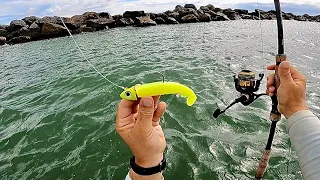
(32, 28)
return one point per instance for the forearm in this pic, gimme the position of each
(304, 131)
(135, 176)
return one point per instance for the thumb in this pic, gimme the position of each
(145, 113)
(285, 73)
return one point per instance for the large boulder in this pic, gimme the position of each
(33, 31)
(300, 18)
(218, 10)
(178, 8)
(152, 15)
(20, 39)
(123, 22)
(53, 30)
(82, 19)
(210, 7)
(204, 17)
(90, 15)
(82, 29)
(144, 21)
(204, 8)
(232, 15)
(242, 11)
(268, 16)
(171, 20)
(101, 23)
(187, 11)
(105, 15)
(256, 12)
(288, 16)
(16, 25)
(272, 12)
(255, 17)
(192, 6)
(246, 16)
(13, 34)
(31, 19)
(174, 15)
(307, 16)
(117, 17)
(69, 22)
(3, 32)
(200, 11)
(133, 14)
(159, 20)
(316, 18)
(2, 40)
(190, 18)
(218, 16)
(163, 15)
(48, 19)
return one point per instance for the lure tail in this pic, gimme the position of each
(191, 99)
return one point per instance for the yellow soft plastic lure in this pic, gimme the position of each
(159, 88)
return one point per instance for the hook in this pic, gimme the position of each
(161, 75)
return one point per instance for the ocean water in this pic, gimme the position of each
(57, 115)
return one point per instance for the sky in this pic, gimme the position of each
(17, 9)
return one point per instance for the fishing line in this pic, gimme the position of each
(261, 31)
(85, 57)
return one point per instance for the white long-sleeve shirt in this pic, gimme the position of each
(304, 131)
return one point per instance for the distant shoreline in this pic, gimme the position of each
(33, 28)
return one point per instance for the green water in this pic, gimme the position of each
(57, 115)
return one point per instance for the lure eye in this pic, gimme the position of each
(128, 94)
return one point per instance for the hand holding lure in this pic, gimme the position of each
(149, 89)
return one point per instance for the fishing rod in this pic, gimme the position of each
(247, 85)
(275, 115)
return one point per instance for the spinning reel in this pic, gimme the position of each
(246, 85)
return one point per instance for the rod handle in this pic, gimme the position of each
(275, 115)
(279, 59)
(263, 163)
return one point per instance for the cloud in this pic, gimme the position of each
(20, 8)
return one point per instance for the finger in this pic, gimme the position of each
(271, 67)
(145, 113)
(270, 80)
(156, 100)
(272, 89)
(285, 73)
(296, 75)
(135, 116)
(135, 108)
(159, 111)
(125, 108)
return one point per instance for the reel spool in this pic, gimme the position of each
(246, 82)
